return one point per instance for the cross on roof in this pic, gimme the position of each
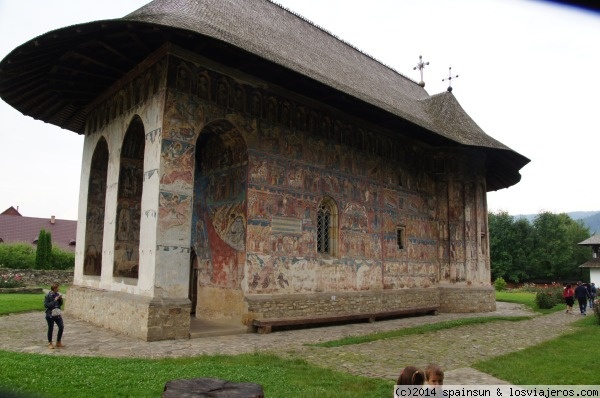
(420, 66)
(450, 77)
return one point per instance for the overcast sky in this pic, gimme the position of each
(529, 75)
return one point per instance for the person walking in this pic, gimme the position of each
(582, 296)
(53, 301)
(593, 291)
(568, 294)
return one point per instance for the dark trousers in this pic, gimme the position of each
(61, 326)
(582, 304)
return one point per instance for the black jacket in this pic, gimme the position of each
(50, 303)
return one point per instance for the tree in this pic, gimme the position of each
(43, 255)
(510, 247)
(555, 239)
(545, 249)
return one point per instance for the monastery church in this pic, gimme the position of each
(242, 164)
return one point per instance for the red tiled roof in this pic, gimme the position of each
(11, 211)
(19, 229)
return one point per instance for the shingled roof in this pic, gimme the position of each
(55, 76)
(591, 241)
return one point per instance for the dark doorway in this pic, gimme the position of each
(193, 288)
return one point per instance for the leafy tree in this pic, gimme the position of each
(510, 247)
(555, 239)
(545, 249)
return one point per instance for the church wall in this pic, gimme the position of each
(299, 151)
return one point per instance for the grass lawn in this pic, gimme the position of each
(15, 302)
(527, 299)
(569, 359)
(107, 377)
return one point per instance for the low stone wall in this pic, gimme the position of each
(41, 277)
(145, 318)
(303, 305)
(462, 299)
(457, 299)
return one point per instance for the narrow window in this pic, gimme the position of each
(400, 236)
(327, 227)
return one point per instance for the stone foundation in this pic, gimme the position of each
(317, 304)
(146, 318)
(458, 299)
(462, 299)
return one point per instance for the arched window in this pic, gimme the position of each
(327, 230)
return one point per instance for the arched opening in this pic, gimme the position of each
(96, 200)
(129, 199)
(219, 213)
(193, 287)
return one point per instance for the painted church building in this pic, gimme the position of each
(241, 163)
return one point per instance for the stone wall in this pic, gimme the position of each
(467, 299)
(44, 278)
(145, 318)
(454, 299)
(302, 305)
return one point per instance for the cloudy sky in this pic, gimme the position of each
(529, 75)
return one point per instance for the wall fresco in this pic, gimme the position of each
(94, 229)
(177, 171)
(130, 186)
(280, 159)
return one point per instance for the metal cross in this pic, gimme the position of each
(450, 77)
(420, 66)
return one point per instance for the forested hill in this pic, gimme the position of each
(590, 219)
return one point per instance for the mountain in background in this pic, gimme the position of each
(590, 219)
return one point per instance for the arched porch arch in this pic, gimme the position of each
(219, 221)
(96, 201)
(129, 198)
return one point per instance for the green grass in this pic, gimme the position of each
(15, 302)
(108, 377)
(417, 330)
(569, 359)
(527, 299)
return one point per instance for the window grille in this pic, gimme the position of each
(400, 238)
(327, 228)
(323, 224)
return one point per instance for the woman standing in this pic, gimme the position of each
(53, 301)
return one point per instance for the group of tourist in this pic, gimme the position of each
(585, 293)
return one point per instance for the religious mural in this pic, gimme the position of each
(94, 233)
(131, 178)
(257, 186)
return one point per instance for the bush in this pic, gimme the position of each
(597, 311)
(62, 259)
(11, 280)
(17, 255)
(22, 256)
(500, 284)
(547, 298)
